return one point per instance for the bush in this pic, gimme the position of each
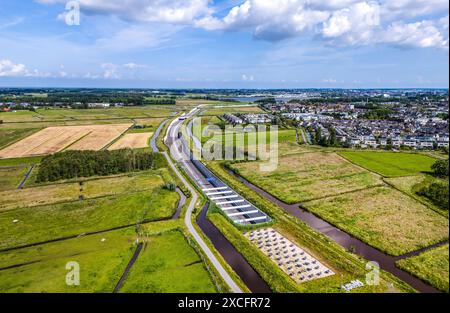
(437, 192)
(169, 186)
(73, 164)
(440, 168)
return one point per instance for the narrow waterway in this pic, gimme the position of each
(236, 261)
(347, 241)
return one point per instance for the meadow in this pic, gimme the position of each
(384, 218)
(10, 177)
(167, 264)
(73, 190)
(102, 259)
(390, 164)
(306, 176)
(412, 184)
(431, 266)
(24, 226)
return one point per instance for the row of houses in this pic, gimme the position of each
(411, 142)
(248, 118)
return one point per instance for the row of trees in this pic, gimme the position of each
(321, 140)
(438, 191)
(161, 101)
(73, 164)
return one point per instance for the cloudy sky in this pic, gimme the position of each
(224, 43)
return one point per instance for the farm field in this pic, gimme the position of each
(384, 218)
(168, 265)
(431, 266)
(244, 109)
(411, 184)
(43, 223)
(54, 139)
(306, 176)
(99, 137)
(132, 141)
(71, 191)
(10, 178)
(102, 259)
(8, 136)
(391, 164)
(49, 115)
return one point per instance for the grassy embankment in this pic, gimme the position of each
(431, 266)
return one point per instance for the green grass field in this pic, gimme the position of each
(391, 164)
(384, 218)
(71, 191)
(102, 259)
(10, 178)
(61, 115)
(431, 266)
(168, 264)
(234, 109)
(38, 224)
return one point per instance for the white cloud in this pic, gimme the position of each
(355, 24)
(339, 22)
(329, 80)
(246, 77)
(8, 68)
(422, 34)
(165, 11)
(413, 23)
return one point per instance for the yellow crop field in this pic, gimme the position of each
(54, 139)
(132, 141)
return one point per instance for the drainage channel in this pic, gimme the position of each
(237, 262)
(347, 241)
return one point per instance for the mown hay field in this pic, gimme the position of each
(132, 141)
(54, 139)
(384, 218)
(99, 137)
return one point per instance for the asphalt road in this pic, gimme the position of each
(172, 135)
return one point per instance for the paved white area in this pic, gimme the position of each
(292, 259)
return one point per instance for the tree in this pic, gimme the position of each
(440, 168)
(332, 141)
(318, 136)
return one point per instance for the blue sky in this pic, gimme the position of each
(224, 44)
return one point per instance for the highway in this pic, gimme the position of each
(181, 156)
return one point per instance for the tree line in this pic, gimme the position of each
(438, 191)
(73, 164)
